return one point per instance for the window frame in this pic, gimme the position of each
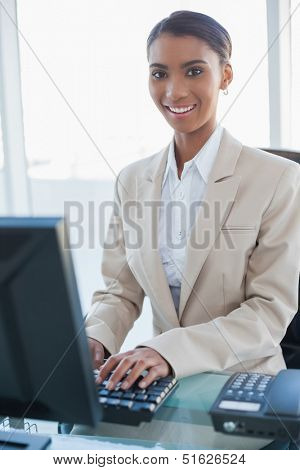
(15, 180)
(280, 72)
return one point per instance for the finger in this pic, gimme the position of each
(100, 368)
(98, 378)
(154, 373)
(109, 365)
(120, 371)
(140, 366)
(98, 358)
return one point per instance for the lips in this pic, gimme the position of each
(180, 113)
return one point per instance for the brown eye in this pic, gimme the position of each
(195, 72)
(156, 74)
(195, 69)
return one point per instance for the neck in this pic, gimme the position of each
(186, 146)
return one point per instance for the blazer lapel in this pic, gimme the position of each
(217, 202)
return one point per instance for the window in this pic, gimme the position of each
(2, 185)
(99, 76)
(1, 147)
(295, 25)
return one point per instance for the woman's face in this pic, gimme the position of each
(174, 82)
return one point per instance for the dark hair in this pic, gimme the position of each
(190, 23)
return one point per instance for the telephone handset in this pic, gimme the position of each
(259, 405)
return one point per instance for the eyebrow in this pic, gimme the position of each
(186, 64)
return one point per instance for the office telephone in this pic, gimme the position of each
(259, 405)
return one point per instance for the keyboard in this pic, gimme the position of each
(134, 405)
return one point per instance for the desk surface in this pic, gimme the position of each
(182, 422)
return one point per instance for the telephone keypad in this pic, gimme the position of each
(249, 387)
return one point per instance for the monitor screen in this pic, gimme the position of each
(46, 369)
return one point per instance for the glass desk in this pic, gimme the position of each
(182, 422)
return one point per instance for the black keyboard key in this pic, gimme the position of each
(165, 382)
(156, 389)
(103, 393)
(137, 391)
(116, 394)
(126, 403)
(143, 406)
(113, 401)
(129, 395)
(154, 399)
(167, 387)
(130, 389)
(154, 392)
(161, 393)
(141, 397)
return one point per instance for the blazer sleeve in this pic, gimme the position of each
(254, 329)
(114, 309)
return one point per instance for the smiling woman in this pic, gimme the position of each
(222, 272)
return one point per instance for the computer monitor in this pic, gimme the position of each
(46, 368)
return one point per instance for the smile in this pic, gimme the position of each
(181, 111)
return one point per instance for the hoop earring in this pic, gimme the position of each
(225, 92)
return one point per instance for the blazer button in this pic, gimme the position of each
(181, 234)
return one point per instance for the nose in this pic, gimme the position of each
(176, 89)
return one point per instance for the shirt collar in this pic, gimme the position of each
(203, 160)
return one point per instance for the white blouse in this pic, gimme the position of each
(180, 200)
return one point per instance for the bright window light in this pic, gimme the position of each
(87, 108)
(295, 25)
(1, 148)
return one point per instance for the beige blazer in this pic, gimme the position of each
(240, 282)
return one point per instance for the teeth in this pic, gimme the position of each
(181, 110)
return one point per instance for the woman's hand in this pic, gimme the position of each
(139, 360)
(97, 352)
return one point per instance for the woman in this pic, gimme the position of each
(223, 296)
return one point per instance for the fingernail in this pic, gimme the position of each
(99, 379)
(143, 384)
(109, 385)
(124, 384)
